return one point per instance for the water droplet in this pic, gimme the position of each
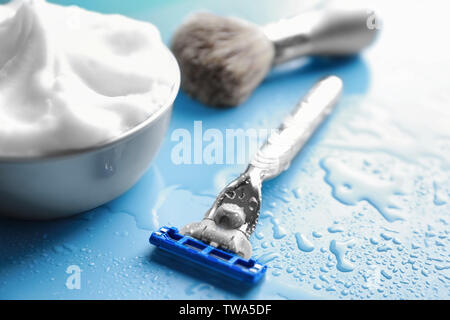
(303, 243)
(268, 257)
(338, 248)
(384, 248)
(385, 236)
(335, 229)
(385, 274)
(278, 231)
(317, 234)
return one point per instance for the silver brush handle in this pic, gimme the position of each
(284, 144)
(328, 33)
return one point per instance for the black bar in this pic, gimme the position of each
(228, 309)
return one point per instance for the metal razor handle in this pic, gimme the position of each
(322, 33)
(283, 145)
(233, 217)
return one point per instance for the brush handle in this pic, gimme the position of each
(284, 144)
(328, 33)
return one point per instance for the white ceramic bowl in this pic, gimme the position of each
(76, 181)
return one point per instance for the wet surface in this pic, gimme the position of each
(363, 212)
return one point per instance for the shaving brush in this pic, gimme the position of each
(223, 59)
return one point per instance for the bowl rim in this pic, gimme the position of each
(110, 142)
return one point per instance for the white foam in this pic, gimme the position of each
(71, 79)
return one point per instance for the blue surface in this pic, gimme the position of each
(220, 262)
(363, 212)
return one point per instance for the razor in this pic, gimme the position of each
(221, 240)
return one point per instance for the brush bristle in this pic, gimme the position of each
(222, 60)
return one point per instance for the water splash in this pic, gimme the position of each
(350, 186)
(410, 139)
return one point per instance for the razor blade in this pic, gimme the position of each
(225, 262)
(221, 240)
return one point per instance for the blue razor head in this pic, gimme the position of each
(227, 263)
